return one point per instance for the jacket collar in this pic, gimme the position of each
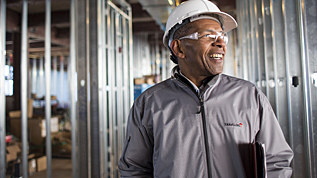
(207, 82)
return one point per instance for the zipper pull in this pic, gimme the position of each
(201, 105)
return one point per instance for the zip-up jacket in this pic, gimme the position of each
(175, 132)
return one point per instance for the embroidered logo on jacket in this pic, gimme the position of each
(234, 124)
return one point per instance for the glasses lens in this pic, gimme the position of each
(212, 37)
(224, 38)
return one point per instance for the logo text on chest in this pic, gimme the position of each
(234, 124)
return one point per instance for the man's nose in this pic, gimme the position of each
(219, 42)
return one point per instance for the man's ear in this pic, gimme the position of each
(177, 49)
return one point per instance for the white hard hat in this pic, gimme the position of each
(193, 9)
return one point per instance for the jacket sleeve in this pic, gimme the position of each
(278, 153)
(136, 158)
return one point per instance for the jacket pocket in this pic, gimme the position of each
(125, 150)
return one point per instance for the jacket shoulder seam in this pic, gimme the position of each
(150, 91)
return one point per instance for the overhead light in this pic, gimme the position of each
(170, 2)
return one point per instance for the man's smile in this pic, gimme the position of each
(216, 56)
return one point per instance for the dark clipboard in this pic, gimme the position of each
(259, 160)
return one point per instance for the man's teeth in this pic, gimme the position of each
(216, 56)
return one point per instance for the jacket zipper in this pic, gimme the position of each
(125, 152)
(202, 111)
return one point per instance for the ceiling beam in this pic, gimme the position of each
(57, 18)
(138, 11)
(55, 51)
(39, 32)
(142, 19)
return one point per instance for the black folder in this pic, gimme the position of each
(259, 160)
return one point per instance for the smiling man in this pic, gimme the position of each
(201, 123)
(201, 54)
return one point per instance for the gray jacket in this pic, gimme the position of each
(173, 132)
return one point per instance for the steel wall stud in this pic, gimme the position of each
(2, 94)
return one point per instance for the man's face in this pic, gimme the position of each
(203, 57)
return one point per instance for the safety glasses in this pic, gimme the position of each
(212, 37)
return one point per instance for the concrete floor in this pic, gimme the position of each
(60, 168)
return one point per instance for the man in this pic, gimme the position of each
(201, 123)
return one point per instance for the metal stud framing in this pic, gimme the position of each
(104, 57)
(261, 83)
(48, 86)
(116, 84)
(307, 15)
(295, 99)
(103, 102)
(82, 90)
(94, 90)
(73, 89)
(283, 34)
(268, 52)
(24, 60)
(141, 55)
(279, 65)
(151, 59)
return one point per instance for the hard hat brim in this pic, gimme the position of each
(229, 23)
(191, 8)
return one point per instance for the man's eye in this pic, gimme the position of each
(211, 36)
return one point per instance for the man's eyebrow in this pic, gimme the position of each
(210, 30)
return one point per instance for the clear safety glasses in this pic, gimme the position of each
(212, 37)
